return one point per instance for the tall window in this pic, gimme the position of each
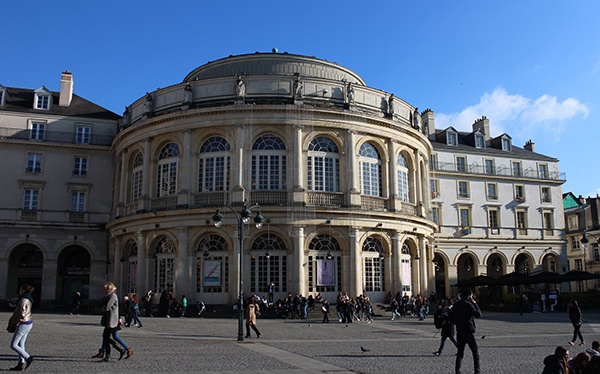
(164, 266)
(137, 174)
(519, 192)
(30, 199)
(493, 220)
(373, 269)
(34, 163)
(506, 144)
(80, 165)
(546, 195)
(465, 218)
(269, 163)
(573, 222)
(543, 171)
(168, 163)
(323, 165)
(451, 138)
(37, 131)
(435, 215)
(492, 193)
(214, 165)
(479, 141)
(522, 222)
(596, 252)
(489, 167)
(433, 162)
(463, 189)
(516, 168)
(324, 264)
(82, 135)
(576, 244)
(548, 223)
(77, 201)
(269, 268)
(370, 170)
(403, 178)
(461, 164)
(435, 188)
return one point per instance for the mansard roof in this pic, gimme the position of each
(21, 100)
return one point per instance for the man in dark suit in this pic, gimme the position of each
(463, 315)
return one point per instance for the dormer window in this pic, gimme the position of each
(479, 141)
(42, 99)
(505, 144)
(451, 138)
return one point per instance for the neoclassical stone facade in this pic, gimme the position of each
(338, 170)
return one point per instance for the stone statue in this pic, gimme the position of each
(240, 88)
(298, 88)
(148, 105)
(391, 105)
(350, 93)
(126, 117)
(416, 119)
(188, 93)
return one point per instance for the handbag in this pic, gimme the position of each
(11, 327)
(103, 320)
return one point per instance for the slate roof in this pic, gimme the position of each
(466, 145)
(21, 100)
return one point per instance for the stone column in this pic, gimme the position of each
(300, 261)
(182, 275)
(396, 279)
(185, 172)
(298, 159)
(355, 264)
(142, 267)
(122, 185)
(118, 268)
(353, 170)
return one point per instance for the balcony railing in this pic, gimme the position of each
(502, 171)
(52, 136)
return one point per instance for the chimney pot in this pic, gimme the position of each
(66, 89)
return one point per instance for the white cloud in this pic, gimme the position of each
(515, 112)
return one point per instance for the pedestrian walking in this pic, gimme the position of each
(76, 302)
(463, 315)
(183, 306)
(325, 310)
(201, 307)
(22, 321)
(148, 303)
(110, 337)
(576, 319)
(134, 310)
(251, 312)
(441, 321)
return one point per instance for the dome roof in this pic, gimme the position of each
(273, 64)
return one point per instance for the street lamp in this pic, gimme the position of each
(242, 218)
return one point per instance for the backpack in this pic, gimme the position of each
(439, 318)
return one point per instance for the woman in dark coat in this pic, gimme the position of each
(447, 330)
(576, 320)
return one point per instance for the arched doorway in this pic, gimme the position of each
(440, 275)
(325, 266)
(73, 274)
(26, 262)
(467, 268)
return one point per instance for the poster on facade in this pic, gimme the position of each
(212, 273)
(406, 272)
(325, 273)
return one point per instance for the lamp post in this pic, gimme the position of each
(242, 218)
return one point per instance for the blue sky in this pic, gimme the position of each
(532, 67)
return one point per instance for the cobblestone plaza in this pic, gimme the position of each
(513, 344)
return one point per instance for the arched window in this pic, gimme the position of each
(323, 165)
(370, 170)
(269, 263)
(168, 162)
(373, 269)
(403, 178)
(212, 265)
(214, 165)
(137, 173)
(164, 268)
(268, 163)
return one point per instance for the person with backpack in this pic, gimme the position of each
(441, 321)
(394, 308)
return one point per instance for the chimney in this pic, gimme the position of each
(529, 146)
(66, 89)
(484, 124)
(428, 123)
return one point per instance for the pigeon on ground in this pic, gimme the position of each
(483, 337)
(364, 349)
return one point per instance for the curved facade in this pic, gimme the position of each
(338, 170)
